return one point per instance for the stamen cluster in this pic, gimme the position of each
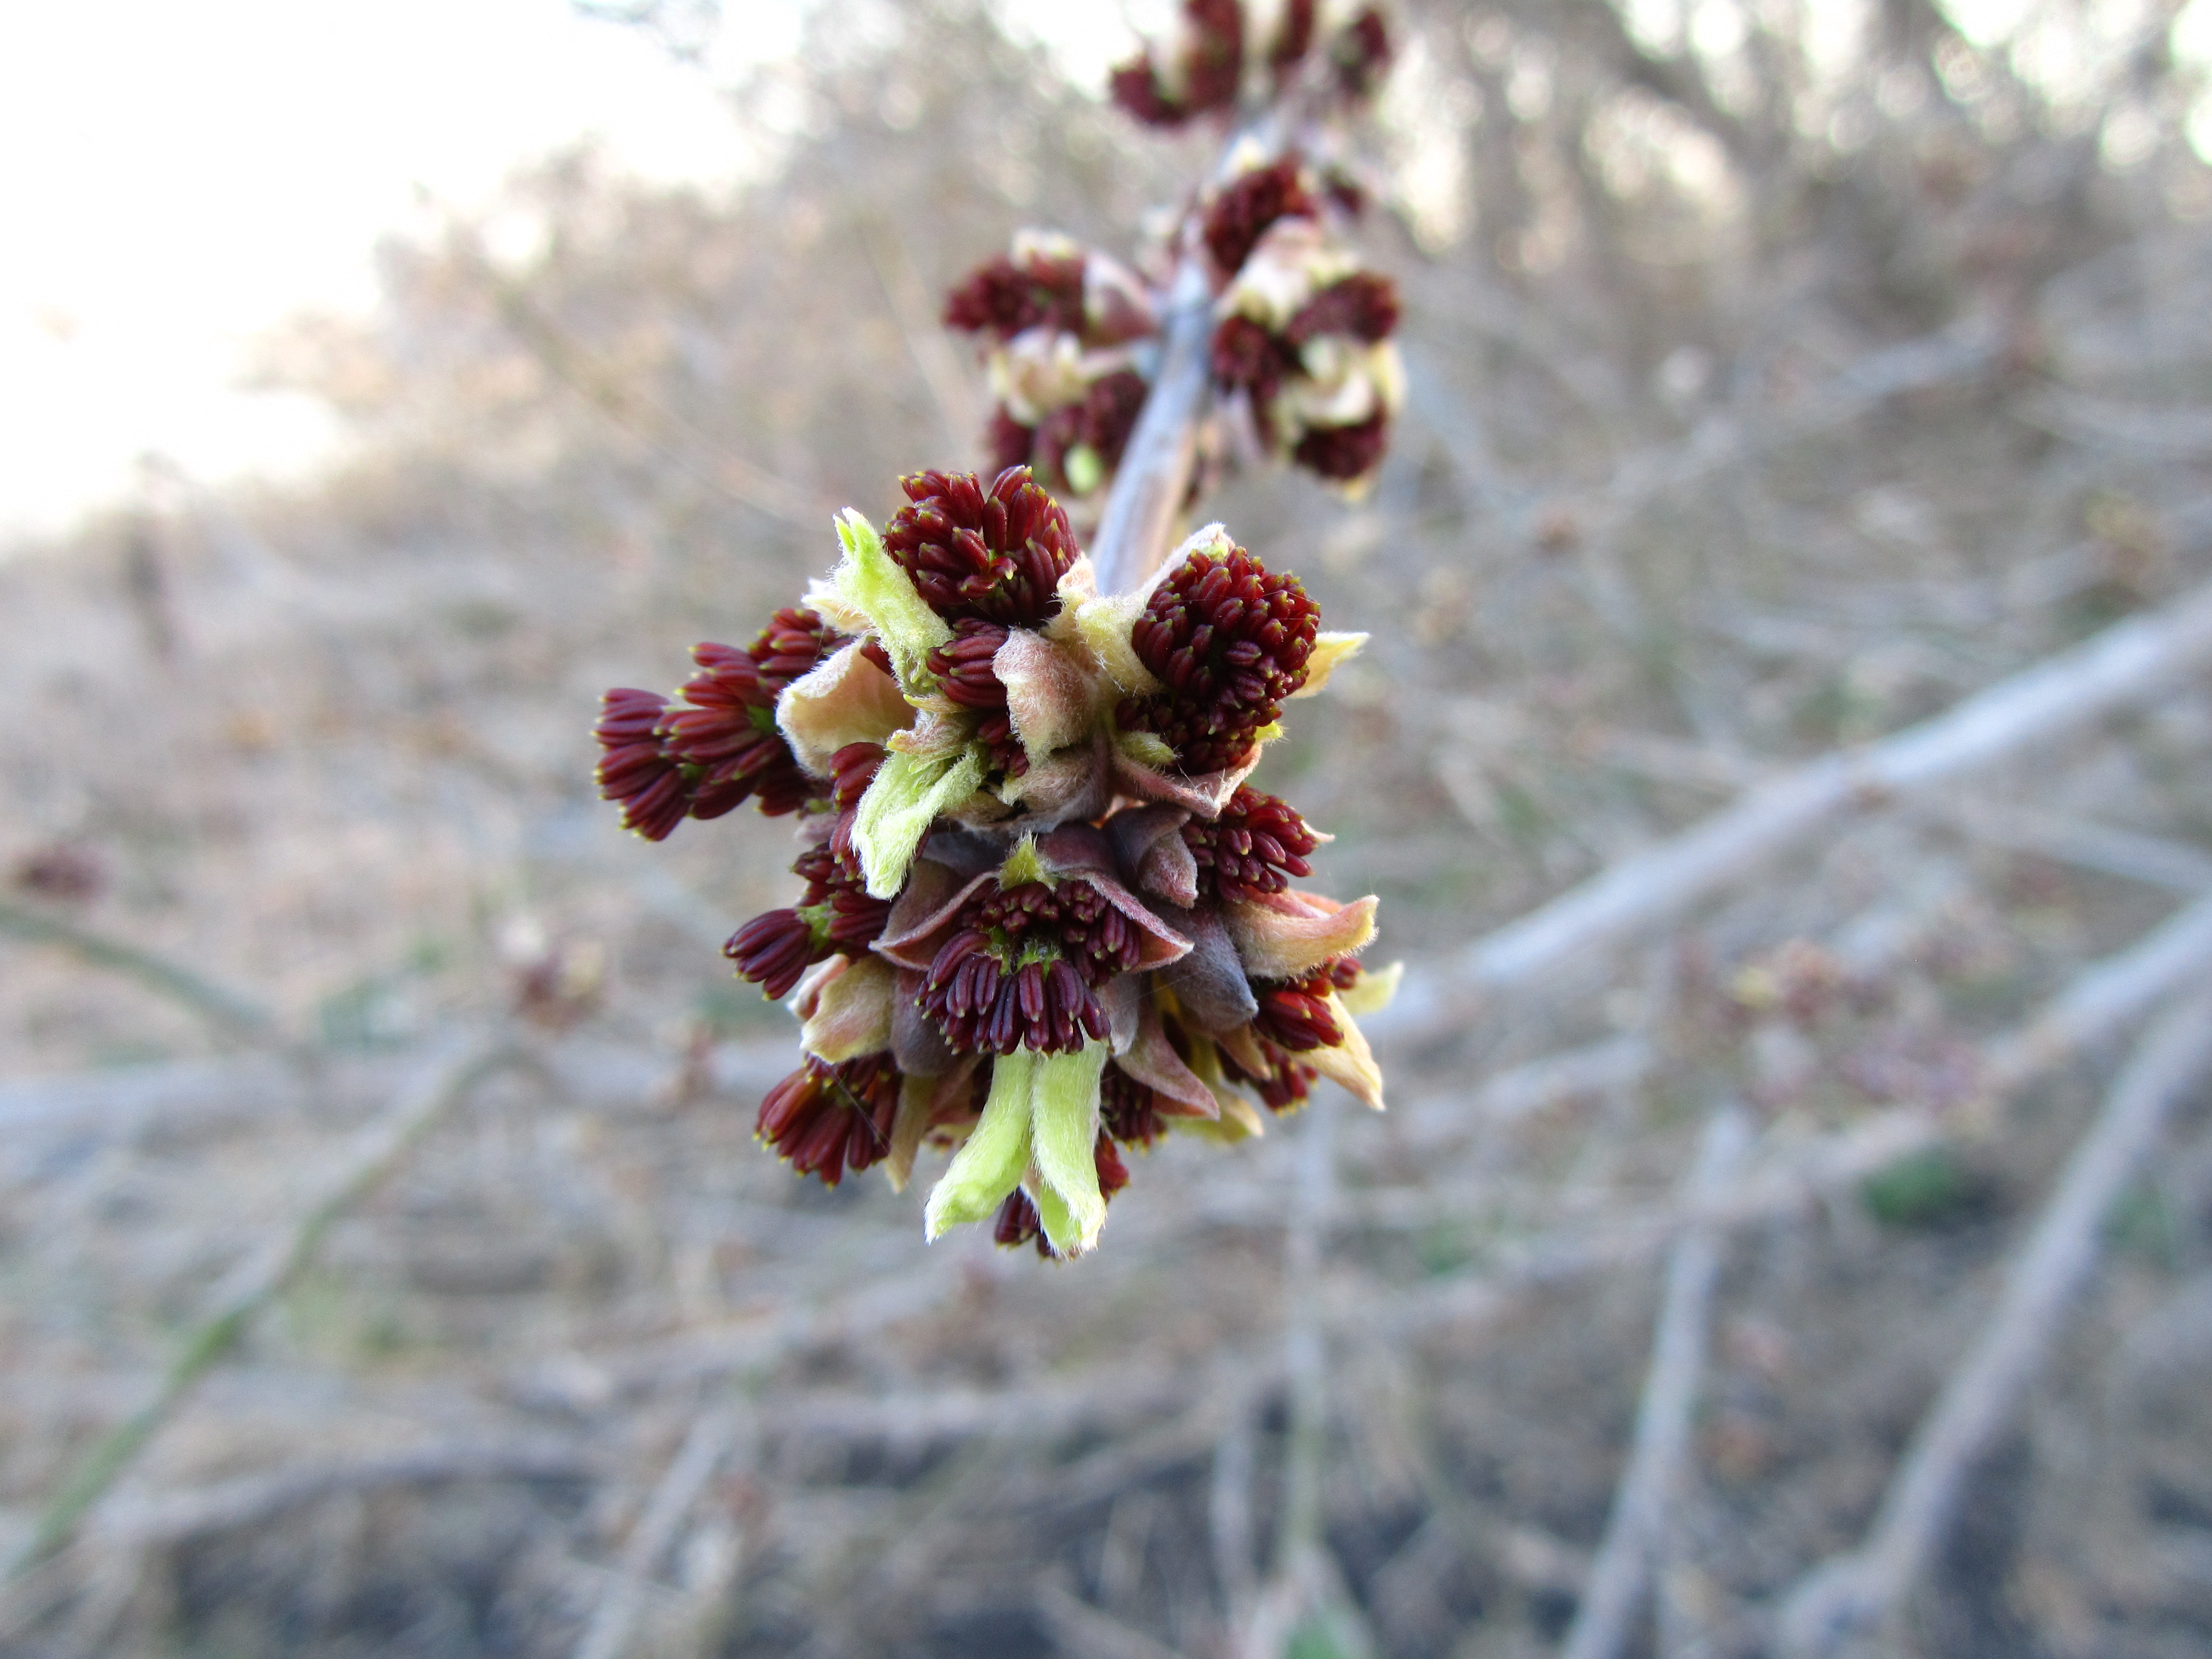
(995, 554)
(978, 960)
(836, 917)
(1229, 641)
(829, 1119)
(1301, 332)
(1218, 56)
(1254, 849)
(1020, 971)
(715, 744)
(1057, 323)
(965, 677)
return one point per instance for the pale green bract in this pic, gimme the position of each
(991, 1161)
(1063, 1132)
(1043, 1111)
(905, 797)
(870, 580)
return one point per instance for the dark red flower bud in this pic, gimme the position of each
(1128, 1110)
(774, 950)
(1003, 298)
(1247, 357)
(1020, 969)
(1293, 39)
(725, 724)
(1007, 442)
(636, 768)
(1365, 304)
(964, 675)
(997, 554)
(1294, 1015)
(852, 769)
(1342, 454)
(835, 917)
(1102, 419)
(1230, 640)
(1287, 1084)
(1017, 1224)
(1361, 52)
(1213, 65)
(1256, 845)
(1239, 216)
(829, 1119)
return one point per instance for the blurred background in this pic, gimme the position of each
(388, 1267)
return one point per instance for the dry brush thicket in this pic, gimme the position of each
(1785, 757)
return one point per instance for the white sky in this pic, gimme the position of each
(175, 178)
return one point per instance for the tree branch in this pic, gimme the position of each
(1647, 1487)
(1854, 1594)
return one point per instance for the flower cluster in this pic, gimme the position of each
(1063, 333)
(1301, 332)
(1045, 917)
(713, 745)
(1222, 51)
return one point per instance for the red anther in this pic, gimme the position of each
(1256, 845)
(943, 539)
(1238, 216)
(1212, 603)
(829, 1119)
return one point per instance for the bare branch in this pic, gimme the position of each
(713, 1433)
(2040, 705)
(1856, 1594)
(1662, 1416)
(238, 1016)
(376, 1152)
(1155, 473)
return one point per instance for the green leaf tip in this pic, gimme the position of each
(1064, 1131)
(1023, 866)
(907, 794)
(871, 582)
(991, 1161)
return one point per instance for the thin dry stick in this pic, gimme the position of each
(1229, 1518)
(713, 1433)
(2094, 1006)
(1647, 1487)
(636, 411)
(377, 1151)
(1081, 1631)
(237, 1016)
(177, 1518)
(2040, 705)
(1305, 1583)
(1856, 1593)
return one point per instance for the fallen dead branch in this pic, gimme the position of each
(2040, 705)
(1633, 1534)
(376, 1152)
(234, 1014)
(1852, 1596)
(167, 1519)
(2094, 1006)
(713, 1432)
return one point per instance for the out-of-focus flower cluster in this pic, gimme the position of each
(1045, 918)
(1062, 329)
(1222, 54)
(1301, 332)
(1302, 354)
